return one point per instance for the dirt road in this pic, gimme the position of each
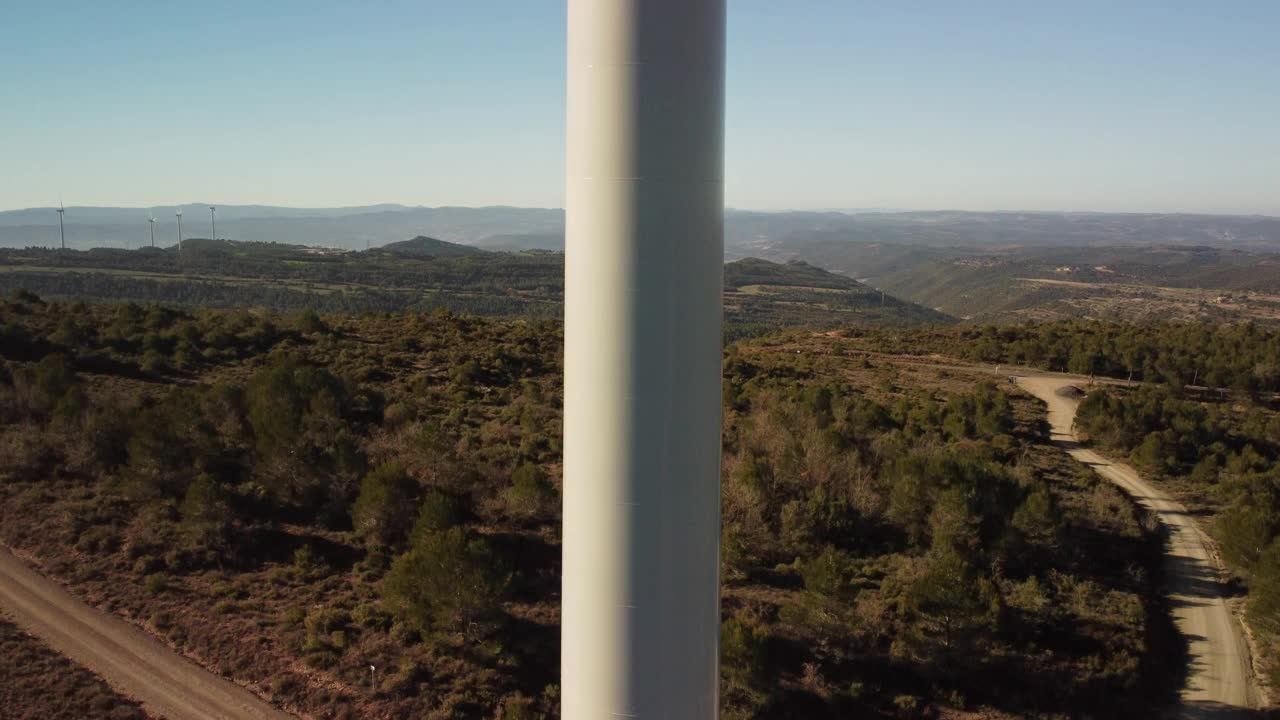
(131, 661)
(1219, 683)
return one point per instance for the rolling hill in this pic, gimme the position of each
(421, 273)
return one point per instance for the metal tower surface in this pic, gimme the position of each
(643, 273)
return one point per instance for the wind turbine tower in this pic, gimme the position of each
(62, 233)
(151, 220)
(179, 216)
(644, 254)
(213, 222)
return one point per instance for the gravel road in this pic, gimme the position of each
(135, 664)
(1219, 680)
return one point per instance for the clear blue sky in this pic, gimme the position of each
(1131, 105)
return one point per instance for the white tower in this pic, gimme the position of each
(151, 220)
(644, 253)
(178, 214)
(213, 223)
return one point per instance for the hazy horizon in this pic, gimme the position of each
(391, 206)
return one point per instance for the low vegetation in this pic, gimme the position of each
(1242, 358)
(295, 498)
(36, 683)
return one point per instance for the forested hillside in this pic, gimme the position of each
(420, 274)
(1243, 357)
(1121, 283)
(1196, 408)
(295, 498)
(1018, 280)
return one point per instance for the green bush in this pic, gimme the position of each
(742, 653)
(950, 605)
(305, 558)
(308, 322)
(1245, 529)
(831, 573)
(439, 511)
(371, 617)
(206, 513)
(382, 514)
(445, 582)
(530, 493)
(156, 583)
(518, 707)
(293, 616)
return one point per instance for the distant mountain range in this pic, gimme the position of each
(806, 234)
(979, 265)
(352, 228)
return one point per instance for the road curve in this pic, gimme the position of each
(1219, 681)
(167, 684)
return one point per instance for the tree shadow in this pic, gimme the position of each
(261, 544)
(535, 564)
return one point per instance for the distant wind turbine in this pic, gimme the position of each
(213, 221)
(62, 233)
(179, 214)
(151, 220)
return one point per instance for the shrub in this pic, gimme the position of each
(907, 706)
(830, 573)
(99, 538)
(445, 582)
(285, 684)
(324, 621)
(308, 322)
(518, 707)
(146, 564)
(530, 493)
(156, 583)
(326, 637)
(322, 658)
(371, 617)
(1037, 517)
(381, 514)
(293, 407)
(1245, 529)
(206, 513)
(439, 511)
(950, 605)
(294, 616)
(742, 653)
(305, 559)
